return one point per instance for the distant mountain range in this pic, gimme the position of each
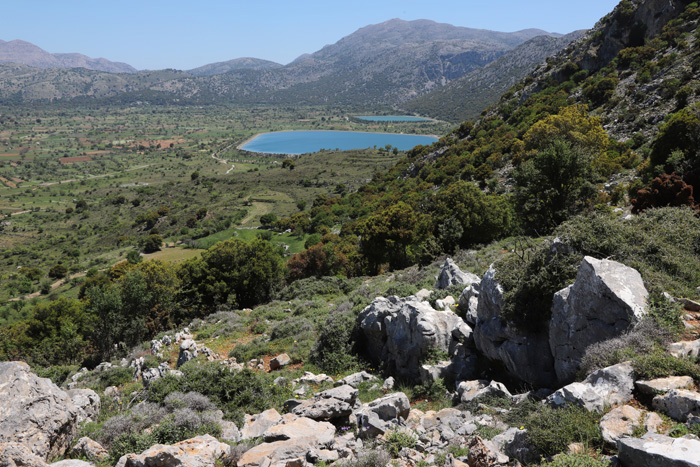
(26, 53)
(390, 63)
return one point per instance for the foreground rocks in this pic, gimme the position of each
(35, 412)
(654, 450)
(202, 451)
(450, 274)
(608, 387)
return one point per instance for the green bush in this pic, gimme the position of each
(552, 430)
(576, 460)
(115, 376)
(306, 289)
(57, 374)
(396, 440)
(333, 351)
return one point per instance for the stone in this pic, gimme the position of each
(450, 274)
(658, 386)
(380, 415)
(446, 303)
(431, 373)
(229, 432)
(469, 302)
(678, 404)
(288, 453)
(328, 405)
(607, 299)
(654, 450)
(292, 427)
(280, 361)
(514, 444)
(255, 425)
(685, 349)
(71, 463)
(201, 451)
(469, 391)
(619, 422)
(89, 449)
(355, 379)
(18, 455)
(188, 351)
(310, 378)
(526, 355)
(653, 422)
(35, 412)
(608, 387)
(423, 294)
(87, 402)
(388, 384)
(400, 333)
(483, 454)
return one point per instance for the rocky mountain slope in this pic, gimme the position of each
(382, 64)
(467, 96)
(245, 63)
(25, 53)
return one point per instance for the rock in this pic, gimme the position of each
(654, 450)
(381, 414)
(431, 373)
(255, 425)
(229, 432)
(388, 384)
(18, 455)
(201, 451)
(71, 463)
(89, 449)
(678, 404)
(355, 379)
(606, 299)
(289, 453)
(328, 405)
(156, 347)
(653, 422)
(35, 412)
(445, 304)
(401, 332)
(450, 274)
(608, 387)
(188, 351)
(151, 374)
(87, 402)
(310, 378)
(469, 302)
(292, 427)
(483, 454)
(526, 355)
(514, 444)
(619, 422)
(663, 385)
(280, 361)
(476, 390)
(685, 349)
(423, 295)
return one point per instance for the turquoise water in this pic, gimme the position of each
(302, 142)
(394, 118)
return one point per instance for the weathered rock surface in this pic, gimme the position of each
(280, 361)
(678, 404)
(18, 455)
(663, 385)
(35, 412)
(89, 449)
(201, 451)
(608, 387)
(87, 402)
(619, 422)
(400, 333)
(292, 427)
(450, 274)
(654, 450)
(482, 453)
(514, 444)
(380, 415)
(469, 391)
(188, 351)
(356, 379)
(526, 355)
(685, 349)
(255, 425)
(469, 302)
(71, 463)
(605, 301)
(229, 432)
(328, 405)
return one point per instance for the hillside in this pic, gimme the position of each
(381, 64)
(467, 96)
(245, 63)
(25, 53)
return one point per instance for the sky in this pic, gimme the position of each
(157, 34)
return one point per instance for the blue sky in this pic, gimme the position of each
(155, 34)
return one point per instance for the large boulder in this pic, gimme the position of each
(18, 455)
(654, 450)
(87, 402)
(609, 387)
(34, 411)
(329, 405)
(658, 386)
(469, 302)
(469, 391)
(526, 355)
(685, 349)
(201, 451)
(89, 449)
(678, 404)
(606, 299)
(400, 333)
(292, 427)
(620, 422)
(450, 274)
(383, 414)
(255, 425)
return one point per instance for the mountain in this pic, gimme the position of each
(382, 64)
(245, 63)
(26, 53)
(467, 96)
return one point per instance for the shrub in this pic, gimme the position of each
(552, 430)
(396, 440)
(332, 352)
(665, 190)
(576, 460)
(115, 376)
(57, 374)
(306, 289)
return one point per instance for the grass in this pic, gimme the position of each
(174, 255)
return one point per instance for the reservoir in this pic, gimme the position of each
(302, 142)
(393, 118)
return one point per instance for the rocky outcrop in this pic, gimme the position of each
(356, 379)
(526, 355)
(658, 386)
(450, 274)
(18, 455)
(469, 391)
(201, 451)
(35, 412)
(685, 349)
(608, 387)
(469, 302)
(401, 332)
(332, 404)
(380, 415)
(87, 402)
(678, 404)
(619, 422)
(255, 425)
(654, 450)
(605, 301)
(89, 449)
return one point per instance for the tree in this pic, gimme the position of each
(134, 257)
(267, 220)
(572, 125)
(152, 243)
(677, 147)
(58, 271)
